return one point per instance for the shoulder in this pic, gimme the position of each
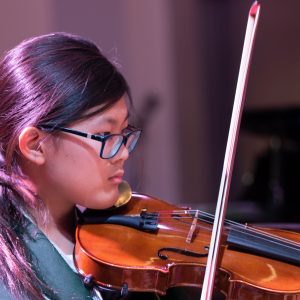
(48, 263)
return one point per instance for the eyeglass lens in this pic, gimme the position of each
(113, 143)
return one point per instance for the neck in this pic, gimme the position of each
(60, 229)
(59, 224)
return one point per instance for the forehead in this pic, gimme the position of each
(116, 114)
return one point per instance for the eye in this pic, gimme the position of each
(102, 133)
(129, 128)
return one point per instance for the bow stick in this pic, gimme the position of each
(208, 283)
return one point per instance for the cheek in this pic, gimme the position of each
(93, 188)
(79, 165)
(88, 179)
(81, 177)
(86, 175)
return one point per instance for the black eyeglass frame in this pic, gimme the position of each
(100, 138)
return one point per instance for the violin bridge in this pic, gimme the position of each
(192, 228)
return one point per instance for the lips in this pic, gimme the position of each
(117, 177)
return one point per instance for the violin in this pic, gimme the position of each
(149, 245)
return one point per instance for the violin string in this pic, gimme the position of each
(236, 225)
(238, 228)
(253, 232)
(264, 236)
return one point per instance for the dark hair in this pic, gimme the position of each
(51, 79)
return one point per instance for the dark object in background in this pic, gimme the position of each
(276, 186)
(281, 122)
(276, 177)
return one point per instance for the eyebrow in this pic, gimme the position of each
(113, 121)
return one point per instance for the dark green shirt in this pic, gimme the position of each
(50, 268)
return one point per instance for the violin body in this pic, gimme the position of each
(117, 255)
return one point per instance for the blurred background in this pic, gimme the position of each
(181, 59)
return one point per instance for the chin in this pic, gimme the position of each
(104, 201)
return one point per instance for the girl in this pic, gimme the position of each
(64, 137)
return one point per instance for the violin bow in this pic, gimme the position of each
(208, 282)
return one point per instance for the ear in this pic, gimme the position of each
(31, 145)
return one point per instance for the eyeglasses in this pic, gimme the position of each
(110, 143)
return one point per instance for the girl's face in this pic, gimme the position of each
(74, 173)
